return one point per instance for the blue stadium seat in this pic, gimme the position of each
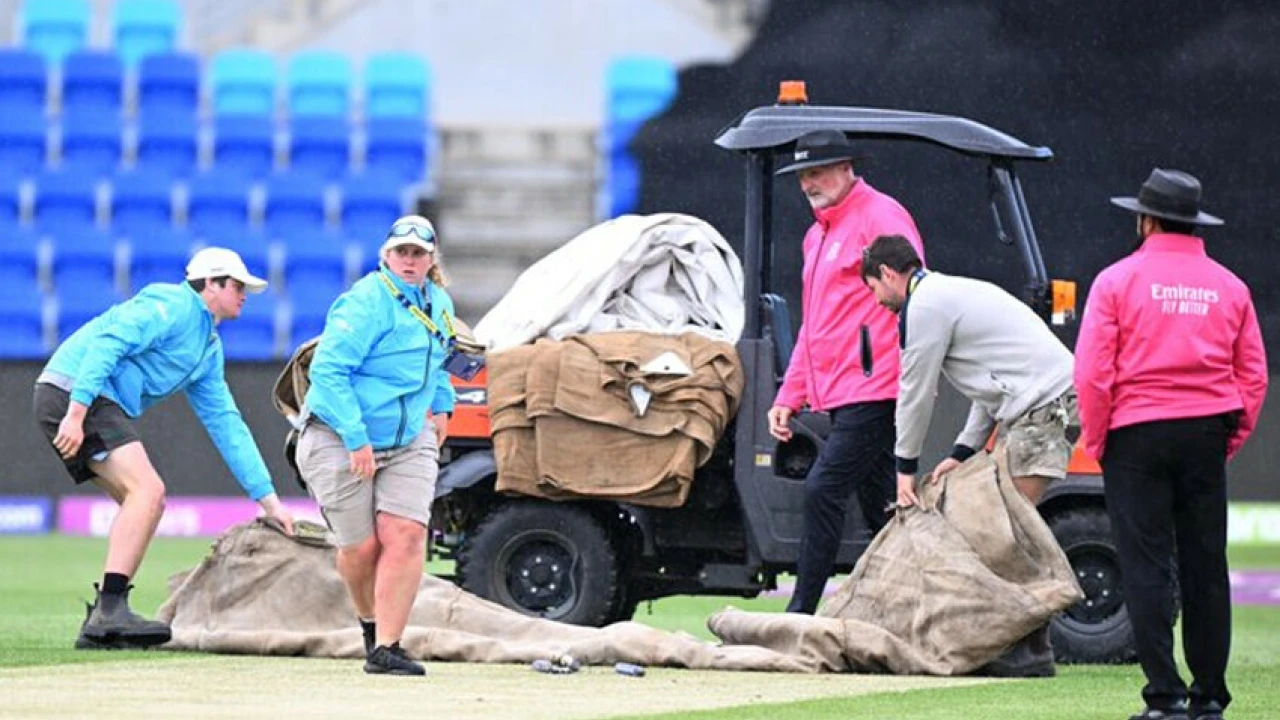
(295, 206)
(79, 302)
(315, 260)
(83, 256)
(244, 144)
(55, 28)
(320, 146)
(21, 320)
(167, 143)
(66, 200)
(169, 83)
(92, 142)
(19, 255)
(92, 83)
(243, 82)
(145, 27)
(397, 147)
(252, 246)
(218, 205)
(10, 201)
(319, 84)
(370, 204)
(623, 184)
(23, 81)
(637, 88)
(252, 336)
(397, 84)
(309, 305)
(22, 142)
(158, 255)
(141, 202)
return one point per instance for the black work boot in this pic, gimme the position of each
(392, 660)
(110, 624)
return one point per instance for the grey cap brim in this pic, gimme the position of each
(1132, 204)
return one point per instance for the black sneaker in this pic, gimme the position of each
(392, 660)
(1154, 714)
(110, 624)
(1211, 711)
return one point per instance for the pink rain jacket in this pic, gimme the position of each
(826, 369)
(1168, 333)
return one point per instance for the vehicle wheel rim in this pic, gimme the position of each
(536, 574)
(1098, 573)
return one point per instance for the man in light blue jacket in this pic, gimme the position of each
(162, 341)
(377, 412)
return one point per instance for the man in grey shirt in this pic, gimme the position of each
(994, 349)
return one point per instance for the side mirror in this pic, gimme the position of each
(1064, 302)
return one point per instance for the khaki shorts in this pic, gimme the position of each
(1040, 442)
(404, 483)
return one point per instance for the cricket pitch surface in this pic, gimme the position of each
(199, 687)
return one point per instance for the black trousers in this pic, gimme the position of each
(1166, 489)
(858, 457)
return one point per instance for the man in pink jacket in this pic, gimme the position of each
(845, 360)
(1171, 374)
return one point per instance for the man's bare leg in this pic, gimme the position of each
(127, 475)
(129, 478)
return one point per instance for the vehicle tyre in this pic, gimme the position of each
(624, 604)
(542, 559)
(1096, 629)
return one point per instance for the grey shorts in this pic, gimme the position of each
(404, 483)
(1040, 442)
(106, 428)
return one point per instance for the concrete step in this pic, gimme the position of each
(518, 144)
(476, 285)
(471, 237)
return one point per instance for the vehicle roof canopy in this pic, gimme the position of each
(776, 127)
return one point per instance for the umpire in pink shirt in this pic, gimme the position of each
(845, 360)
(1171, 374)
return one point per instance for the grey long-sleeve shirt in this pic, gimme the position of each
(992, 347)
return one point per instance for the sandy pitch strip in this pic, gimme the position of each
(311, 689)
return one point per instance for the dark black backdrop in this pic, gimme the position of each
(1113, 88)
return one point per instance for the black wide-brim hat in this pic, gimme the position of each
(820, 147)
(1171, 195)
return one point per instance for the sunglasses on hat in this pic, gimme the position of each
(407, 228)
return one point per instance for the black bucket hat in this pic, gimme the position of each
(820, 147)
(1169, 194)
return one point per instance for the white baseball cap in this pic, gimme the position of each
(213, 262)
(411, 230)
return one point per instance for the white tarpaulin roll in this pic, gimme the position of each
(666, 273)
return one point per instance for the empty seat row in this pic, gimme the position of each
(287, 206)
(57, 28)
(253, 145)
(97, 259)
(270, 326)
(239, 82)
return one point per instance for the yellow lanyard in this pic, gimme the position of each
(425, 319)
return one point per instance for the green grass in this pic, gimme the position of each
(46, 578)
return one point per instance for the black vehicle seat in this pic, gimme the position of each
(775, 322)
